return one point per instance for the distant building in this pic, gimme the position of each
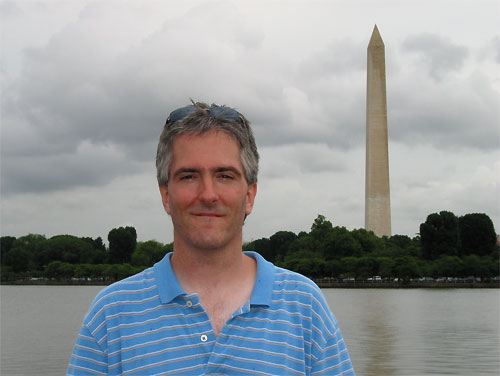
(377, 191)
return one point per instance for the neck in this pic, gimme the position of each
(198, 270)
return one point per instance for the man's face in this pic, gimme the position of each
(207, 195)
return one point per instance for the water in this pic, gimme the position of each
(38, 327)
(417, 332)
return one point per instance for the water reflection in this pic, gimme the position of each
(379, 339)
(420, 332)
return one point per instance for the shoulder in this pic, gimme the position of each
(295, 289)
(292, 281)
(130, 289)
(128, 286)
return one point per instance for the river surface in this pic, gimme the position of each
(413, 332)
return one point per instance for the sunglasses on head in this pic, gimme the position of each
(217, 112)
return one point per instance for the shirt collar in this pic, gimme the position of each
(169, 287)
(263, 287)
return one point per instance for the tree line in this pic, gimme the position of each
(447, 246)
(67, 257)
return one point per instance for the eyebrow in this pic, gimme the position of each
(228, 168)
(218, 169)
(183, 171)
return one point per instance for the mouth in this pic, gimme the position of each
(208, 215)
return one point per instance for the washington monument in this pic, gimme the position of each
(377, 192)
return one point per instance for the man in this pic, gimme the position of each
(208, 308)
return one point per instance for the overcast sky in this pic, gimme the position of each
(87, 85)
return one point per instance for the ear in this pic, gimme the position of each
(251, 193)
(164, 197)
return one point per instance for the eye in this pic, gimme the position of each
(226, 176)
(187, 177)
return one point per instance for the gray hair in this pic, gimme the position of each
(201, 120)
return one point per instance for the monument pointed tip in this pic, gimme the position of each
(376, 39)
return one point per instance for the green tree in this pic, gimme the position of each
(6, 243)
(440, 235)
(66, 248)
(24, 252)
(405, 268)
(400, 241)
(60, 270)
(316, 240)
(122, 243)
(321, 228)
(415, 247)
(340, 243)
(426, 267)
(448, 266)
(99, 244)
(477, 266)
(279, 244)
(263, 247)
(83, 271)
(477, 234)
(18, 259)
(386, 267)
(333, 268)
(115, 272)
(368, 241)
(349, 267)
(307, 263)
(306, 242)
(99, 249)
(148, 253)
(7, 274)
(367, 267)
(97, 271)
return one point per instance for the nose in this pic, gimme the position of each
(208, 193)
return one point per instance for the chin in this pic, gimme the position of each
(210, 242)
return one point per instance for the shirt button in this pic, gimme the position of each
(203, 338)
(189, 303)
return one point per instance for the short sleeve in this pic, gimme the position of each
(332, 358)
(88, 358)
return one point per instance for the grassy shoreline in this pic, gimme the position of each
(410, 285)
(346, 285)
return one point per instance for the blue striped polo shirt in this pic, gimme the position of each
(147, 325)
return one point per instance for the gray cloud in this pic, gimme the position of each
(490, 51)
(338, 58)
(496, 47)
(9, 9)
(437, 54)
(301, 159)
(461, 114)
(89, 165)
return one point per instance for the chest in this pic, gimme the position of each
(221, 307)
(184, 338)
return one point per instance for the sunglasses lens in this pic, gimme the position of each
(225, 113)
(180, 113)
(218, 112)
